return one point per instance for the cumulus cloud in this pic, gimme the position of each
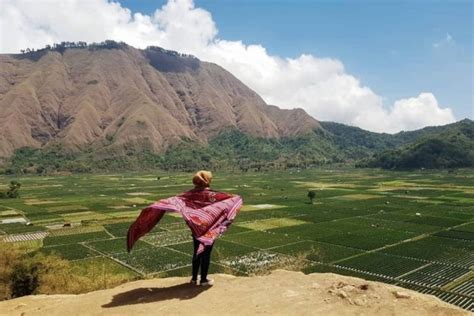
(319, 85)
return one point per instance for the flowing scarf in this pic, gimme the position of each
(207, 213)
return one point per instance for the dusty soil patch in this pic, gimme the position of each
(260, 207)
(39, 202)
(351, 197)
(8, 213)
(270, 223)
(119, 207)
(138, 200)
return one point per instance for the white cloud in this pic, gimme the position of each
(319, 85)
(447, 40)
(411, 113)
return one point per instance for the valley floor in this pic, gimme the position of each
(412, 229)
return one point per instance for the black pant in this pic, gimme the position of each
(203, 260)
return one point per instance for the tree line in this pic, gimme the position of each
(107, 44)
(62, 46)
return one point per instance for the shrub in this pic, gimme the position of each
(24, 279)
(311, 195)
(13, 190)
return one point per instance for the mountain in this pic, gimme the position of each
(451, 146)
(279, 293)
(113, 98)
(109, 106)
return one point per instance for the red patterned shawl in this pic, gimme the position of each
(207, 213)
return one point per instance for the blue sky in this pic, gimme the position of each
(397, 48)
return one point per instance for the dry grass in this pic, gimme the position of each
(9, 256)
(55, 275)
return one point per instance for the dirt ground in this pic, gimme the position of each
(280, 293)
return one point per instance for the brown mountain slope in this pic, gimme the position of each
(123, 99)
(281, 293)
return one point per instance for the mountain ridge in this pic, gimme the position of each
(122, 97)
(109, 106)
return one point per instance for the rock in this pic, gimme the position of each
(20, 305)
(290, 293)
(348, 288)
(401, 294)
(360, 301)
(342, 293)
(374, 296)
(364, 287)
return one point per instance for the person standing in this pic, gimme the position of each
(207, 213)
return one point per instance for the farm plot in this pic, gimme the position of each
(75, 230)
(270, 223)
(466, 288)
(17, 228)
(317, 251)
(158, 260)
(368, 239)
(25, 237)
(436, 249)
(462, 301)
(436, 221)
(435, 275)
(259, 262)
(326, 268)
(74, 239)
(70, 252)
(466, 228)
(372, 222)
(259, 207)
(306, 232)
(168, 238)
(456, 234)
(118, 229)
(381, 265)
(117, 245)
(4, 212)
(260, 239)
(104, 269)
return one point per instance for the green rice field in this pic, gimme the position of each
(412, 229)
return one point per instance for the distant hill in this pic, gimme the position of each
(451, 146)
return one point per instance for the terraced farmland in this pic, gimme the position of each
(410, 229)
